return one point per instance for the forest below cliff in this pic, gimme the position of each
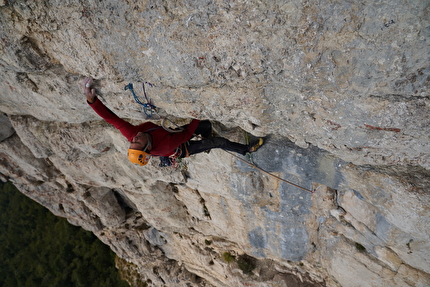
(40, 249)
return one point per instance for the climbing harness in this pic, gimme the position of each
(268, 173)
(176, 159)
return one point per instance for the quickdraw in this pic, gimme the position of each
(174, 157)
(148, 108)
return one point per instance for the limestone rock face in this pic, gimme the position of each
(6, 129)
(340, 89)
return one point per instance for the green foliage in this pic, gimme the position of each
(246, 264)
(227, 257)
(360, 247)
(39, 249)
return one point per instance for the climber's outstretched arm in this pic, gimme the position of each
(127, 129)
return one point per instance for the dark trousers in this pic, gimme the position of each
(209, 142)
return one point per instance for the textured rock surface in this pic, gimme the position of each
(342, 88)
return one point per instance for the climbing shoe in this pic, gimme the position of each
(257, 145)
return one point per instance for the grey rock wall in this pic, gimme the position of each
(6, 129)
(340, 89)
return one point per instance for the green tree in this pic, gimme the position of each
(40, 249)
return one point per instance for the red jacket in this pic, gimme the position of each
(164, 143)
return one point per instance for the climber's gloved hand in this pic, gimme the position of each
(88, 91)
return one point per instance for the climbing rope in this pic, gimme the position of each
(268, 173)
(149, 109)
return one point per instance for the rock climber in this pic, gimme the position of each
(149, 139)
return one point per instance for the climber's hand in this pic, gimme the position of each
(89, 92)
